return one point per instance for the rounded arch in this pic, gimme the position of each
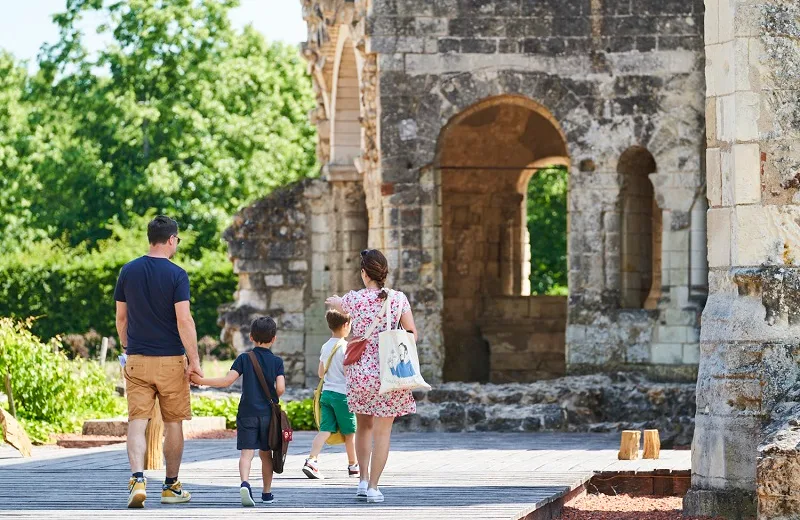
(548, 141)
(640, 231)
(484, 156)
(346, 103)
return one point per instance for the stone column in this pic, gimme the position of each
(748, 361)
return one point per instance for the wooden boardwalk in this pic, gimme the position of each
(429, 476)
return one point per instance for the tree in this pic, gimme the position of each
(547, 225)
(180, 113)
(15, 180)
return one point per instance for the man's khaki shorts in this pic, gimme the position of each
(162, 376)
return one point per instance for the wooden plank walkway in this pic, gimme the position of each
(429, 476)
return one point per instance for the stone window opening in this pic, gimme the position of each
(640, 231)
(346, 107)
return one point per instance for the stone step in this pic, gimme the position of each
(118, 427)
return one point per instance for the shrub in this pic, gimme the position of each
(85, 345)
(300, 413)
(226, 407)
(71, 291)
(52, 393)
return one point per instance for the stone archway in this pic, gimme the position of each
(492, 330)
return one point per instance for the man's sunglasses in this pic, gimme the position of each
(177, 238)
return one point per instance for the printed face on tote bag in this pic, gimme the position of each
(399, 362)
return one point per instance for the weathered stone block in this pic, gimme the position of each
(289, 300)
(666, 353)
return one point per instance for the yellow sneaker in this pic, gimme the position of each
(174, 494)
(137, 492)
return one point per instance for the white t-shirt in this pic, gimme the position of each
(334, 379)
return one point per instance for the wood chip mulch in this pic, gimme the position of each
(626, 507)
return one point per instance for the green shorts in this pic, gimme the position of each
(335, 415)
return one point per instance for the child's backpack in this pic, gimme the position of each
(280, 429)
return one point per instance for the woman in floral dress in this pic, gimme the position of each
(375, 413)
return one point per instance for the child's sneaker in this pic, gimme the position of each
(137, 492)
(174, 494)
(247, 495)
(311, 469)
(267, 498)
(361, 492)
(374, 496)
(352, 470)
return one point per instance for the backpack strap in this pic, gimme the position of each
(330, 358)
(261, 379)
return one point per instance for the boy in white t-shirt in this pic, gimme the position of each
(334, 413)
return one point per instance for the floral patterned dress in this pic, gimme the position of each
(363, 378)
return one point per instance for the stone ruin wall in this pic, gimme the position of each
(290, 251)
(745, 455)
(612, 76)
(609, 77)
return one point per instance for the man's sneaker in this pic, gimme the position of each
(174, 494)
(374, 496)
(247, 495)
(311, 469)
(137, 492)
(267, 498)
(352, 470)
(361, 492)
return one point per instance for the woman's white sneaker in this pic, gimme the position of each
(361, 492)
(374, 496)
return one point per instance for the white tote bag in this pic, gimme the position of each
(397, 353)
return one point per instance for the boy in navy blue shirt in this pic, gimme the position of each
(253, 417)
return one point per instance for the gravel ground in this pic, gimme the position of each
(626, 507)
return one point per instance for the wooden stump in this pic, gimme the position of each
(629, 445)
(652, 444)
(14, 434)
(154, 456)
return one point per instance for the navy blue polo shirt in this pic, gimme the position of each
(254, 402)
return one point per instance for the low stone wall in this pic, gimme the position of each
(526, 337)
(595, 403)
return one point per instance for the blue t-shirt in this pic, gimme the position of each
(254, 402)
(151, 287)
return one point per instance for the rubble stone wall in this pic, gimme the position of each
(291, 250)
(595, 403)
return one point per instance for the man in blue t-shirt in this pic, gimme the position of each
(156, 329)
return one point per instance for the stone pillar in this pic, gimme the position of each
(748, 359)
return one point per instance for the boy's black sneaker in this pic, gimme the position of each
(267, 498)
(247, 495)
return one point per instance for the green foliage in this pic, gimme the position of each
(547, 225)
(52, 394)
(50, 281)
(226, 407)
(301, 414)
(187, 116)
